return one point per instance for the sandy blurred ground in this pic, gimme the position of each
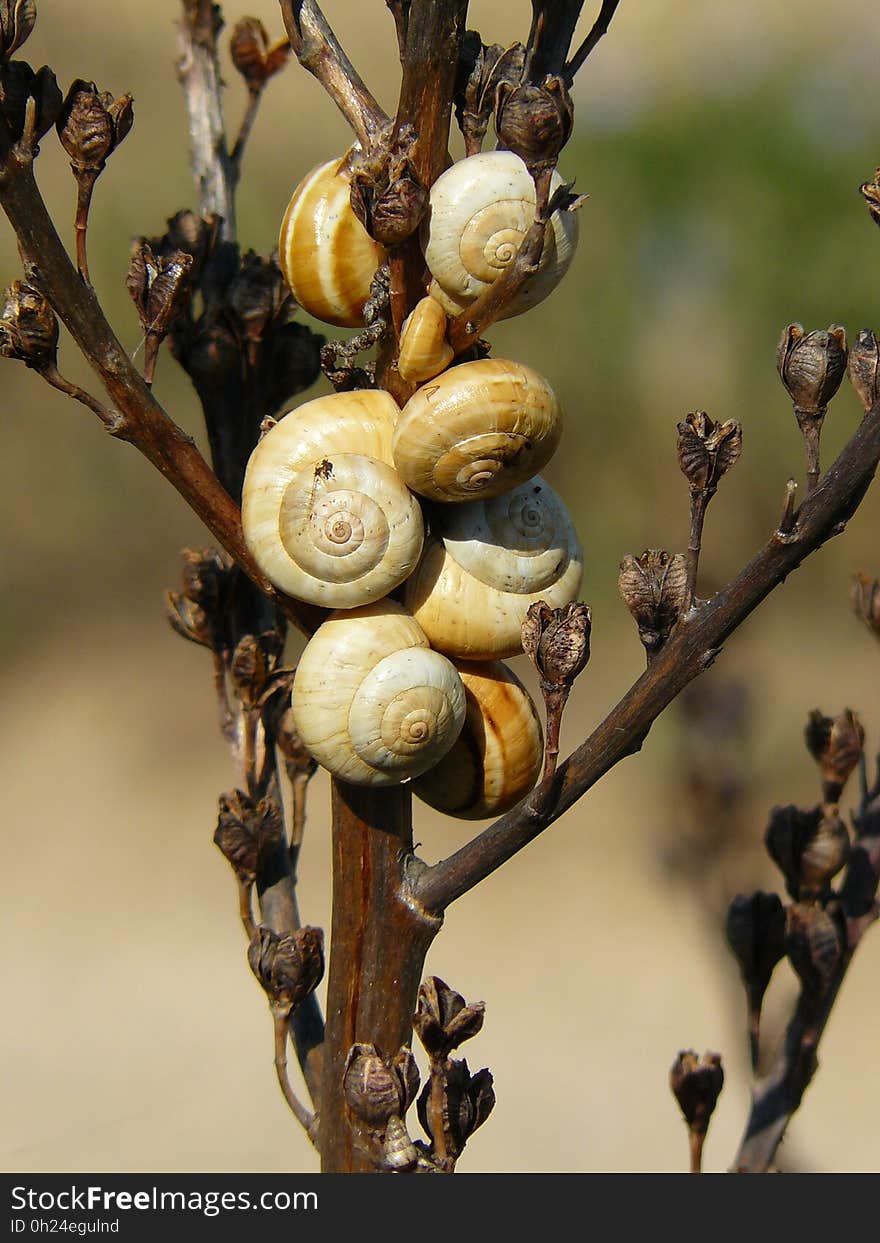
(135, 1037)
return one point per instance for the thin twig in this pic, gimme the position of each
(304, 1117)
(600, 28)
(245, 907)
(692, 647)
(244, 133)
(53, 376)
(700, 498)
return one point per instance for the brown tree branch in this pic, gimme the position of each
(600, 28)
(693, 646)
(318, 50)
(199, 74)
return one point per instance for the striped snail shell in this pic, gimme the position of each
(486, 563)
(372, 702)
(479, 211)
(326, 255)
(324, 513)
(424, 348)
(497, 757)
(477, 430)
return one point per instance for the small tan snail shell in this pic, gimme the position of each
(477, 430)
(480, 210)
(424, 349)
(498, 755)
(326, 255)
(324, 513)
(486, 563)
(371, 701)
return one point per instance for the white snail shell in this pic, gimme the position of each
(324, 514)
(476, 430)
(326, 255)
(497, 757)
(371, 701)
(480, 210)
(424, 348)
(486, 563)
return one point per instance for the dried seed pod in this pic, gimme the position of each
(28, 327)
(17, 18)
(809, 848)
(443, 1020)
(863, 368)
(248, 831)
(324, 514)
(835, 743)
(534, 121)
(255, 58)
(557, 641)
(814, 943)
(92, 124)
(480, 210)
(289, 967)
(497, 757)
(378, 1088)
(371, 702)
(707, 450)
(654, 589)
(424, 348)
(756, 935)
(477, 430)
(870, 192)
(18, 84)
(696, 1084)
(467, 1101)
(811, 365)
(486, 563)
(327, 256)
(865, 595)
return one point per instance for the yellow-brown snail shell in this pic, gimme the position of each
(424, 348)
(486, 563)
(372, 702)
(477, 430)
(324, 513)
(497, 757)
(326, 255)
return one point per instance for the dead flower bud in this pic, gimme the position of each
(387, 195)
(28, 327)
(253, 660)
(865, 596)
(18, 84)
(91, 125)
(557, 641)
(835, 743)
(159, 286)
(811, 366)
(654, 589)
(248, 831)
(814, 943)
(707, 450)
(288, 967)
(696, 1084)
(194, 235)
(808, 846)
(253, 56)
(443, 1020)
(863, 368)
(255, 297)
(535, 122)
(467, 1102)
(481, 68)
(17, 18)
(206, 575)
(378, 1088)
(870, 192)
(756, 935)
(188, 619)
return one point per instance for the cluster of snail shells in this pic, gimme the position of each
(348, 499)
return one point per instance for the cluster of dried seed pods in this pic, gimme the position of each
(348, 499)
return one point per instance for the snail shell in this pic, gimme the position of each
(476, 430)
(498, 755)
(480, 210)
(371, 701)
(424, 349)
(324, 514)
(326, 255)
(486, 563)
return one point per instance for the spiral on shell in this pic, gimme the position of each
(476, 430)
(486, 562)
(324, 513)
(326, 255)
(372, 702)
(480, 210)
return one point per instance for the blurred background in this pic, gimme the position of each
(722, 148)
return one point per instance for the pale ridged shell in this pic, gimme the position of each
(498, 755)
(324, 514)
(424, 349)
(476, 613)
(326, 255)
(371, 701)
(480, 209)
(477, 430)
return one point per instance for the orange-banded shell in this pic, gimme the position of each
(326, 255)
(477, 430)
(324, 513)
(486, 562)
(497, 757)
(372, 702)
(424, 349)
